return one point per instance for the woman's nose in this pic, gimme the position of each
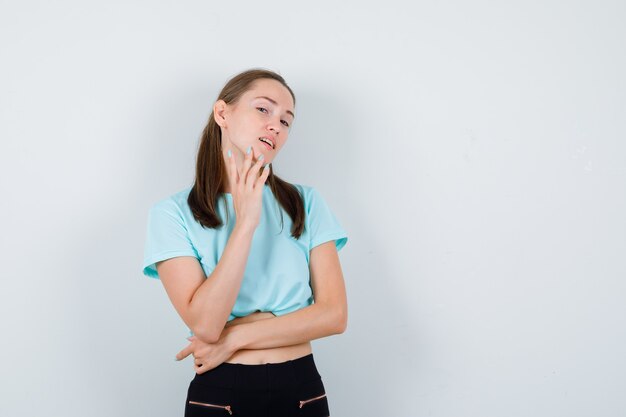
(274, 125)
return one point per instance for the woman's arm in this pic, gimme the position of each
(205, 304)
(327, 316)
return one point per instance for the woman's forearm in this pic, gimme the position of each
(214, 299)
(309, 323)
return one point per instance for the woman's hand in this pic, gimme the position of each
(246, 187)
(207, 355)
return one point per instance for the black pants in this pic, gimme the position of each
(286, 389)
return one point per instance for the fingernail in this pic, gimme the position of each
(230, 153)
(261, 157)
(266, 166)
(248, 150)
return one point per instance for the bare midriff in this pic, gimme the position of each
(263, 356)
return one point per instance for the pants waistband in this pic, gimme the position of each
(262, 376)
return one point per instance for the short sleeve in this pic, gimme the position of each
(322, 223)
(166, 237)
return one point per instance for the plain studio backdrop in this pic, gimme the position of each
(474, 151)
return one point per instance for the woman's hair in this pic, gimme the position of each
(211, 169)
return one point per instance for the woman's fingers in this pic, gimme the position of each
(253, 173)
(263, 177)
(246, 199)
(247, 161)
(184, 353)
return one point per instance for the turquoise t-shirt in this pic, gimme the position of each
(276, 277)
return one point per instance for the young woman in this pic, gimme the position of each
(250, 262)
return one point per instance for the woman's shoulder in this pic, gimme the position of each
(304, 189)
(309, 193)
(176, 201)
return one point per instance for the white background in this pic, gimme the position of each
(473, 150)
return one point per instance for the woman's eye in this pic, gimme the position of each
(264, 110)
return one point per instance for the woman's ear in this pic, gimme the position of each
(219, 112)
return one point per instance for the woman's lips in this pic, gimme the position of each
(267, 146)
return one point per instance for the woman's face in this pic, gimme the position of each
(265, 111)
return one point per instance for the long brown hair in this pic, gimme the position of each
(211, 169)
